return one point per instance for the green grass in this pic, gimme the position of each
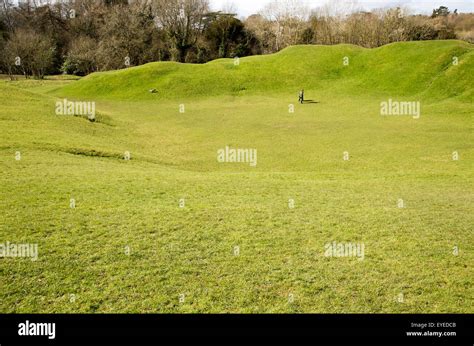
(189, 250)
(404, 68)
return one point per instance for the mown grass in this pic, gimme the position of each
(400, 69)
(135, 204)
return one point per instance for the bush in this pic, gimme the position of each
(81, 59)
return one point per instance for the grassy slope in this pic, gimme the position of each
(401, 69)
(189, 250)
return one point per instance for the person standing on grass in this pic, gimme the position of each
(301, 96)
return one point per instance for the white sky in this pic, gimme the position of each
(248, 7)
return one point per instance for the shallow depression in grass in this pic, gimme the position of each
(172, 229)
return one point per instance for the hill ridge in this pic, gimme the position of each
(398, 69)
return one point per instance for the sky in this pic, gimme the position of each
(247, 7)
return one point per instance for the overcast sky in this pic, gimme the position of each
(248, 7)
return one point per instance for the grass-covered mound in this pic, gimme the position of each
(404, 68)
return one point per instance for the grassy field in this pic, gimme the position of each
(238, 244)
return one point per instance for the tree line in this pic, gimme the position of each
(39, 37)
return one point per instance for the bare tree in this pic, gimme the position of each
(30, 52)
(6, 14)
(183, 21)
(126, 37)
(262, 29)
(289, 18)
